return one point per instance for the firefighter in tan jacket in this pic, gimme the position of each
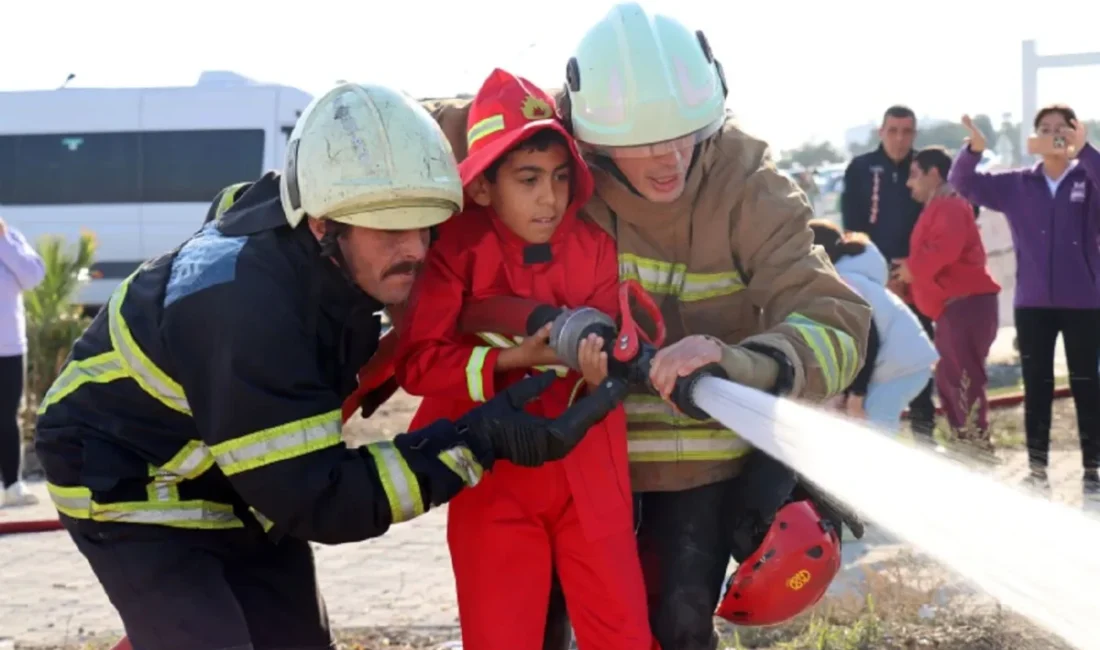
(720, 239)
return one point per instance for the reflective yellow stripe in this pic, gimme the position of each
(684, 438)
(644, 409)
(138, 366)
(483, 128)
(400, 484)
(164, 487)
(502, 341)
(838, 373)
(228, 199)
(100, 369)
(462, 461)
(673, 279)
(76, 502)
(474, 367)
(672, 445)
(279, 443)
(266, 523)
(190, 462)
(576, 391)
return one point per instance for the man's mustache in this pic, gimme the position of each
(401, 268)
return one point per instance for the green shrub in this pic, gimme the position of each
(54, 320)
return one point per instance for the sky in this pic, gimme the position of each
(799, 70)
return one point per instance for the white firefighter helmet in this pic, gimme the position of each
(642, 84)
(370, 156)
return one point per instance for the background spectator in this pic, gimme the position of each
(876, 201)
(20, 269)
(899, 355)
(1053, 210)
(946, 269)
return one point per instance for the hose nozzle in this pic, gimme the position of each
(572, 326)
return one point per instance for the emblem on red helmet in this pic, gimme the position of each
(788, 573)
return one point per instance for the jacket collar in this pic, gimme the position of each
(887, 160)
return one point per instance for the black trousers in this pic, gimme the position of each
(11, 442)
(1037, 331)
(922, 411)
(181, 589)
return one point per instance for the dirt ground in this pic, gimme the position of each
(891, 614)
(896, 620)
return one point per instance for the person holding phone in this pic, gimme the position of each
(1053, 210)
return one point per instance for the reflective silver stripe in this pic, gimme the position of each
(265, 523)
(179, 514)
(727, 443)
(77, 502)
(643, 408)
(163, 487)
(191, 461)
(402, 489)
(278, 443)
(101, 368)
(137, 364)
(461, 461)
(669, 278)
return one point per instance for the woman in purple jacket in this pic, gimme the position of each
(1053, 210)
(20, 269)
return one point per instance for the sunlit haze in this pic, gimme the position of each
(798, 70)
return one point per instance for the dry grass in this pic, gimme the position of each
(907, 603)
(904, 604)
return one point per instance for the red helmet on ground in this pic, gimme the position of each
(789, 572)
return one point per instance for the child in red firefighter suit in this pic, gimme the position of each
(520, 236)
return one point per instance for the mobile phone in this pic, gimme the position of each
(1042, 145)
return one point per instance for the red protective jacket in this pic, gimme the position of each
(946, 255)
(477, 257)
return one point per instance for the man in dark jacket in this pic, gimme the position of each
(192, 442)
(877, 202)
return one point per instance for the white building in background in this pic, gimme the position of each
(137, 167)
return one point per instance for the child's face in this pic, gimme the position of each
(531, 192)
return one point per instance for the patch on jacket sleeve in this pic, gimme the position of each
(208, 260)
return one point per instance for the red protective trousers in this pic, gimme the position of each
(575, 516)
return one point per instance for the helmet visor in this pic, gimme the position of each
(655, 149)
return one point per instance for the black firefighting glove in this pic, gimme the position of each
(447, 457)
(501, 430)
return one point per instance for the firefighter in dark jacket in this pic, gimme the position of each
(192, 442)
(877, 201)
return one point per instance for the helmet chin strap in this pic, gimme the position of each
(330, 248)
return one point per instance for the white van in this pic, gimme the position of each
(137, 167)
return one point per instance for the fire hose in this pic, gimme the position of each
(630, 354)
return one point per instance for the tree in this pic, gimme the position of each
(952, 134)
(812, 154)
(944, 134)
(54, 321)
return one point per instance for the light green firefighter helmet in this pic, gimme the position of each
(641, 82)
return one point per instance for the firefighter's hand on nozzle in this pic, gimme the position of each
(533, 351)
(501, 430)
(680, 360)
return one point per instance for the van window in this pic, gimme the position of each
(69, 168)
(132, 167)
(193, 166)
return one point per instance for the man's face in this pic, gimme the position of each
(659, 178)
(384, 263)
(897, 135)
(531, 191)
(922, 185)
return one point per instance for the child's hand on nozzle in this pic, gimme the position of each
(593, 360)
(535, 350)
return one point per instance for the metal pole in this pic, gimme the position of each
(1031, 63)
